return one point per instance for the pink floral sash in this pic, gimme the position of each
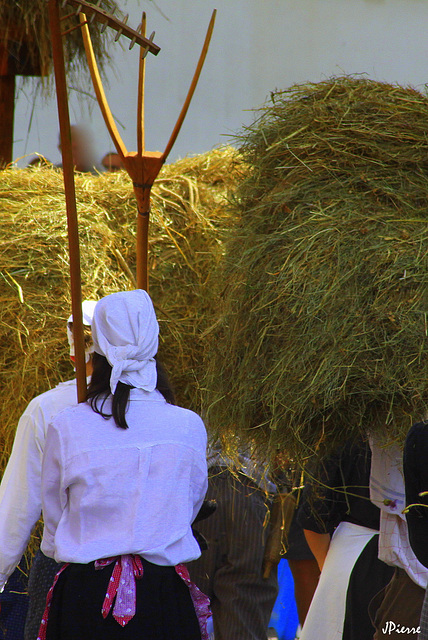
(122, 591)
(122, 585)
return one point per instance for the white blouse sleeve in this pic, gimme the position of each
(20, 496)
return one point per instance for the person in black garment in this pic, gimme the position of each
(415, 467)
(336, 506)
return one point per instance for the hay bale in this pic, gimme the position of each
(187, 222)
(25, 33)
(324, 327)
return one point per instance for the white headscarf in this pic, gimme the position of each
(88, 307)
(125, 331)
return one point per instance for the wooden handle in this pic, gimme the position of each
(70, 198)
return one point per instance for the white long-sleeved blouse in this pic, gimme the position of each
(108, 491)
(20, 489)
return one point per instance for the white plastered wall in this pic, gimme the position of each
(257, 46)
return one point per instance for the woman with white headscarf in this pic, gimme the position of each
(124, 476)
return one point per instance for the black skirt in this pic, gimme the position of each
(164, 609)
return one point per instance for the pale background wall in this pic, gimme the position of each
(257, 46)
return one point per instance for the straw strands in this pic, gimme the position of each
(27, 21)
(187, 221)
(325, 290)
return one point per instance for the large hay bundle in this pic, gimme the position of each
(186, 226)
(25, 34)
(325, 286)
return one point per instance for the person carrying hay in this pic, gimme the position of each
(230, 571)
(341, 525)
(20, 489)
(124, 476)
(82, 149)
(398, 606)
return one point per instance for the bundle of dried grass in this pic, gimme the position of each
(187, 222)
(325, 283)
(27, 23)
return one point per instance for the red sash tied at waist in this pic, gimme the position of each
(122, 591)
(127, 569)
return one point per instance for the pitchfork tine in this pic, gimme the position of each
(141, 88)
(99, 90)
(192, 88)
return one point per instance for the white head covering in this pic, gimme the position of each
(88, 307)
(125, 331)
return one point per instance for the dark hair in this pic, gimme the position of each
(99, 390)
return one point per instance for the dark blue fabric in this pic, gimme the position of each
(42, 574)
(14, 604)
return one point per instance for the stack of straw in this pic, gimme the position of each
(27, 22)
(324, 325)
(187, 222)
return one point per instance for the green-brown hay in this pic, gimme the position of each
(324, 326)
(187, 221)
(28, 21)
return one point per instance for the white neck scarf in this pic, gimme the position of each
(125, 331)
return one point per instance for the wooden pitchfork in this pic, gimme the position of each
(142, 166)
(68, 169)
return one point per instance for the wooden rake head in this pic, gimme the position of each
(95, 13)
